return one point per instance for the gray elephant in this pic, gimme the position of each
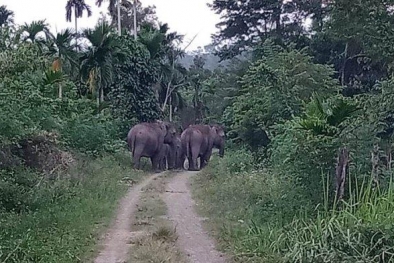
(178, 160)
(198, 141)
(165, 157)
(147, 140)
(219, 140)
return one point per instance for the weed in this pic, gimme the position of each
(68, 214)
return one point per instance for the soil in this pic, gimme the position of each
(117, 241)
(193, 240)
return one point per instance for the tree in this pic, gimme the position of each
(247, 22)
(132, 16)
(366, 31)
(79, 7)
(34, 30)
(132, 98)
(6, 16)
(98, 62)
(163, 47)
(273, 90)
(197, 78)
(60, 46)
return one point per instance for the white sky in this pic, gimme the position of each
(187, 17)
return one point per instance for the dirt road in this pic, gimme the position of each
(116, 243)
(193, 240)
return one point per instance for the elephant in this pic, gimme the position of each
(165, 157)
(194, 145)
(178, 153)
(198, 141)
(219, 140)
(147, 140)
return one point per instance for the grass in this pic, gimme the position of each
(155, 237)
(259, 217)
(69, 214)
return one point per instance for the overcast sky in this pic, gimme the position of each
(187, 17)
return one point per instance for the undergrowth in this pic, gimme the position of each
(60, 220)
(262, 217)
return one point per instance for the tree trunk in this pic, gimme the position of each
(119, 20)
(341, 170)
(278, 24)
(389, 156)
(60, 91)
(344, 64)
(101, 95)
(135, 18)
(170, 105)
(76, 28)
(375, 165)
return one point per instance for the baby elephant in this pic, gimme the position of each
(165, 157)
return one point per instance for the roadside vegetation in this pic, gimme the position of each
(307, 110)
(61, 220)
(307, 174)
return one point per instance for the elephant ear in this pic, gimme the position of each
(217, 130)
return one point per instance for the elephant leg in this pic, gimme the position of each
(161, 164)
(205, 159)
(181, 162)
(137, 156)
(193, 166)
(137, 161)
(155, 163)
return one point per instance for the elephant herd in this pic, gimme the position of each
(161, 142)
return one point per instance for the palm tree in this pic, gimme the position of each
(79, 7)
(163, 47)
(60, 46)
(114, 11)
(97, 62)
(34, 29)
(6, 16)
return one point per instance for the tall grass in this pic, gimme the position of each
(66, 216)
(262, 217)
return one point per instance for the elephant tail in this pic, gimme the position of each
(131, 143)
(133, 140)
(188, 148)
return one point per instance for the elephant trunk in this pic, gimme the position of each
(221, 150)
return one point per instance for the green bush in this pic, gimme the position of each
(264, 216)
(92, 134)
(60, 220)
(17, 188)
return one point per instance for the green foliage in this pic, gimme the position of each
(325, 118)
(92, 134)
(240, 199)
(273, 90)
(63, 218)
(131, 97)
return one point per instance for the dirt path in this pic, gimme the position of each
(116, 243)
(193, 240)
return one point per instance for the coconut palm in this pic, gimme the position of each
(79, 7)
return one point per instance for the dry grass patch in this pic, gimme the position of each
(156, 238)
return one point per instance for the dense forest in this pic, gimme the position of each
(304, 89)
